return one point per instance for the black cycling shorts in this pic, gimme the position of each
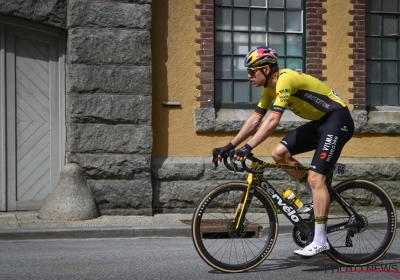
(327, 136)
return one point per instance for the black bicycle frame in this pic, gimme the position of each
(347, 208)
(306, 227)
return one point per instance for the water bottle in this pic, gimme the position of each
(292, 199)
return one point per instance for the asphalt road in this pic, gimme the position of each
(166, 258)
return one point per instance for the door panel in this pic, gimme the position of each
(35, 115)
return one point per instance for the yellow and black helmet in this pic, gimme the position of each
(261, 56)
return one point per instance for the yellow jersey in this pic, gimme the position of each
(304, 95)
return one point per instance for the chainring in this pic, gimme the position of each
(299, 238)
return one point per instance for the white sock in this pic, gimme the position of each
(320, 234)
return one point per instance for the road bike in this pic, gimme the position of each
(235, 225)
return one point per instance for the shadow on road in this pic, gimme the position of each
(322, 263)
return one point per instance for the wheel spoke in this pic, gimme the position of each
(218, 241)
(371, 239)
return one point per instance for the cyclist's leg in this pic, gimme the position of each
(321, 203)
(337, 129)
(295, 143)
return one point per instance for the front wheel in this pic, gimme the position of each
(217, 240)
(376, 226)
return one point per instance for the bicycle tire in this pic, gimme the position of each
(371, 242)
(218, 245)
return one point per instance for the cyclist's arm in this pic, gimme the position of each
(284, 88)
(253, 122)
(266, 129)
(248, 128)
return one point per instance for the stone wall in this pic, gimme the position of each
(109, 87)
(109, 131)
(49, 12)
(180, 182)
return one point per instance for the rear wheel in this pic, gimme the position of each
(216, 238)
(369, 241)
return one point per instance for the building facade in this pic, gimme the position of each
(138, 92)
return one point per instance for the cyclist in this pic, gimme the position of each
(329, 129)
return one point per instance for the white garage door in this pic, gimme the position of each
(33, 100)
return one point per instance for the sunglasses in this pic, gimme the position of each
(252, 71)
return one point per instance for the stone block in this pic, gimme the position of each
(205, 119)
(101, 108)
(107, 46)
(393, 190)
(180, 194)
(102, 138)
(109, 14)
(177, 168)
(222, 173)
(385, 170)
(170, 196)
(83, 78)
(50, 12)
(122, 196)
(20, 8)
(112, 166)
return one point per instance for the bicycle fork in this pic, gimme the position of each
(244, 203)
(241, 210)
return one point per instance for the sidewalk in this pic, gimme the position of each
(27, 225)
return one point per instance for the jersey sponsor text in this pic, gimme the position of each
(317, 100)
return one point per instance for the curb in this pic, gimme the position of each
(106, 232)
(99, 232)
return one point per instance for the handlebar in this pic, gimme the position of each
(234, 167)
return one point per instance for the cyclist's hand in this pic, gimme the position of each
(242, 153)
(217, 152)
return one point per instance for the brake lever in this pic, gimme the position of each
(231, 155)
(215, 158)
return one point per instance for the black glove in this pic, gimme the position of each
(244, 151)
(219, 151)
